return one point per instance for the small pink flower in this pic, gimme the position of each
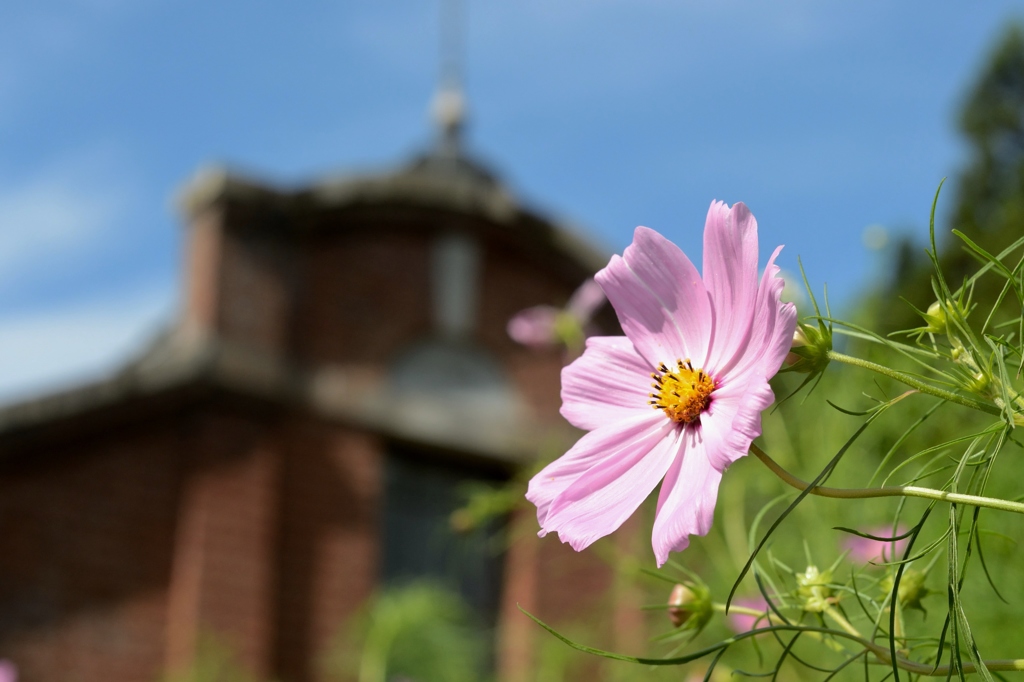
(545, 326)
(708, 345)
(745, 622)
(866, 550)
(8, 671)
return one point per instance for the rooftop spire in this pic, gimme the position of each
(449, 105)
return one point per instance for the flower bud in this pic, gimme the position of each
(799, 341)
(813, 589)
(935, 319)
(678, 604)
(689, 606)
(912, 588)
(978, 383)
(809, 352)
(800, 337)
(568, 329)
(974, 377)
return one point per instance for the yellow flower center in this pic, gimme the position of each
(682, 393)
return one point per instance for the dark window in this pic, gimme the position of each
(465, 390)
(419, 541)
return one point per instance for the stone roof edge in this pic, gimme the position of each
(179, 359)
(491, 201)
(117, 387)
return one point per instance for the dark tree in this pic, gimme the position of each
(988, 192)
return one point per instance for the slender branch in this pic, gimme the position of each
(886, 491)
(881, 652)
(833, 612)
(736, 608)
(915, 383)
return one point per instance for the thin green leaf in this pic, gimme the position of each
(799, 498)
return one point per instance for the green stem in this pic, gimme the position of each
(915, 383)
(735, 608)
(882, 653)
(887, 491)
(833, 612)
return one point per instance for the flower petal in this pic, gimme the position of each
(743, 622)
(730, 275)
(585, 301)
(534, 327)
(600, 500)
(686, 505)
(606, 383)
(733, 420)
(865, 550)
(593, 448)
(772, 328)
(660, 299)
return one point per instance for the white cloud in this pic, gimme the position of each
(50, 349)
(41, 218)
(59, 211)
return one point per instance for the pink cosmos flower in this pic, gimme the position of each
(679, 398)
(866, 550)
(744, 622)
(544, 326)
(8, 671)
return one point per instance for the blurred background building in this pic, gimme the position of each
(339, 377)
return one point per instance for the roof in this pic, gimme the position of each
(447, 182)
(182, 358)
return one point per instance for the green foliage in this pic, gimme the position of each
(991, 189)
(418, 632)
(214, 662)
(867, 430)
(989, 202)
(862, 430)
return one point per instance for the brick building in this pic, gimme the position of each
(340, 365)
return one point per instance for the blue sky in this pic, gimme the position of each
(824, 118)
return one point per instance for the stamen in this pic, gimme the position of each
(683, 394)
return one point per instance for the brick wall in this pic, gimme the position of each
(328, 555)
(364, 294)
(120, 548)
(223, 572)
(85, 547)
